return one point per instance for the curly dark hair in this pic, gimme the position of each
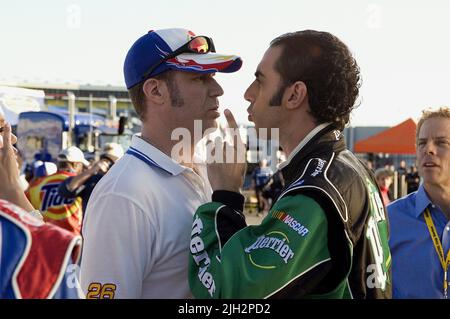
(328, 69)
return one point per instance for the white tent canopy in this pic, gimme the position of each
(15, 100)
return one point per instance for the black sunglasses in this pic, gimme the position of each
(198, 45)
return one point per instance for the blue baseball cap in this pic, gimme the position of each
(151, 48)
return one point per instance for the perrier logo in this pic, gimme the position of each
(275, 241)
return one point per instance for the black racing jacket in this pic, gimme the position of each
(358, 230)
(326, 235)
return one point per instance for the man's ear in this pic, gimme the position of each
(297, 94)
(155, 90)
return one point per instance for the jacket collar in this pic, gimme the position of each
(323, 139)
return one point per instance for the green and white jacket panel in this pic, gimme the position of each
(286, 256)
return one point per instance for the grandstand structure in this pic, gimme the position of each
(99, 99)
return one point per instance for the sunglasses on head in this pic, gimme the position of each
(197, 45)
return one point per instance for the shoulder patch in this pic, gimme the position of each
(298, 227)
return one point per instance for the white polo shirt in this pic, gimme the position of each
(137, 226)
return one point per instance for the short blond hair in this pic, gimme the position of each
(442, 112)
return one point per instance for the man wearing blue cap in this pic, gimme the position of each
(138, 220)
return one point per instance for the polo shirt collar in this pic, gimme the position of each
(153, 157)
(422, 201)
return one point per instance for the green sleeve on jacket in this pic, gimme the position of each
(257, 261)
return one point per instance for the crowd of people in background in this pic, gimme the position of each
(407, 180)
(267, 184)
(60, 191)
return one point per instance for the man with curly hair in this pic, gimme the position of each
(326, 235)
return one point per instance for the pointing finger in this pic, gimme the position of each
(238, 143)
(230, 119)
(6, 134)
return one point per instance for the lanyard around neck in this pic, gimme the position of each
(445, 262)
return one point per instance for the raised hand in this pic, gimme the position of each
(227, 172)
(10, 188)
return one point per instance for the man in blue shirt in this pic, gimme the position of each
(420, 226)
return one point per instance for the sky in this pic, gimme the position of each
(402, 47)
